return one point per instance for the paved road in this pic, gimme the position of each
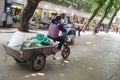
(93, 57)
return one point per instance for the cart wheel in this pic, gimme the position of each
(65, 52)
(38, 62)
(17, 60)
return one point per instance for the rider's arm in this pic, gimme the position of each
(62, 28)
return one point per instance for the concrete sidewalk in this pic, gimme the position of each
(93, 57)
(7, 30)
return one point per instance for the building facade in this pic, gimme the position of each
(46, 10)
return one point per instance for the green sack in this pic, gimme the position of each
(40, 39)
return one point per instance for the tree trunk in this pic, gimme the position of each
(105, 14)
(27, 14)
(110, 23)
(91, 18)
(101, 20)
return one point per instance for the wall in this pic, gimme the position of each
(1, 10)
(20, 1)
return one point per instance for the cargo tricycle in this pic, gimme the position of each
(37, 55)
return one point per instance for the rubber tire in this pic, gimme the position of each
(38, 62)
(65, 52)
(17, 60)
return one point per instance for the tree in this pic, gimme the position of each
(107, 10)
(27, 14)
(116, 8)
(99, 4)
(83, 5)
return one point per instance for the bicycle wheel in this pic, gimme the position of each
(65, 52)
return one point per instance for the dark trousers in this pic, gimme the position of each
(15, 20)
(61, 40)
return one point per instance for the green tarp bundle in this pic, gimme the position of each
(37, 41)
(40, 39)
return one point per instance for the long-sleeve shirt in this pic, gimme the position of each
(54, 29)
